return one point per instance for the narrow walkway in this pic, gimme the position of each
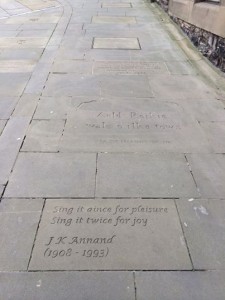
(112, 163)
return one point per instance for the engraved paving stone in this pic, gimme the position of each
(132, 126)
(94, 235)
(123, 67)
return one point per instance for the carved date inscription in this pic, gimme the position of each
(107, 234)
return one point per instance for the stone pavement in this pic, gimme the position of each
(112, 164)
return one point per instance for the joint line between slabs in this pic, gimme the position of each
(35, 237)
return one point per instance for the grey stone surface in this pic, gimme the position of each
(180, 285)
(26, 106)
(58, 108)
(133, 86)
(67, 285)
(129, 126)
(96, 236)
(72, 85)
(18, 205)
(23, 42)
(10, 142)
(208, 171)
(165, 86)
(71, 66)
(18, 231)
(117, 5)
(203, 223)
(26, 53)
(19, 82)
(43, 136)
(115, 19)
(123, 67)
(116, 43)
(16, 66)
(156, 175)
(215, 133)
(69, 175)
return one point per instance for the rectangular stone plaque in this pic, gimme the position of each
(132, 126)
(116, 43)
(126, 67)
(113, 20)
(110, 235)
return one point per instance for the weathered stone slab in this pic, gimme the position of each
(16, 54)
(20, 42)
(19, 82)
(67, 285)
(72, 85)
(68, 175)
(43, 135)
(17, 231)
(180, 87)
(215, 133)
(132, 126)
(16, 66)
(116, 43)
(72, 66)
(94, 235)
(10, 143)
(204, 228)
(18, 205)
(125, 67)
(144, 175)
(180, 285)
(133, 86)
(208, 171)
(117, 5)
(58, 108)
(111, 19)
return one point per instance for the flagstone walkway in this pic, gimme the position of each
(112, 164)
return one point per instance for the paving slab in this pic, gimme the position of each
(208, 171)
(71, 66)
(7, 105)
(215, 133)
(43, 136)
(133, 86)
(116, 43)
(105, 230)
(18, 231)
(164, 175)
(113, 19)
(132, 126)
(69, 175)
(16, 54)
(180, 285)
(116, 5)
(23, 42)
(10, 143)
(18, 205)
(179, 86)
(19, 82)
(67, 285)
(203, 223)
(72, 85)
(59, 107)
(16, 66)
(26, 106)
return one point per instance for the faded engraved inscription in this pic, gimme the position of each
(124, 67)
